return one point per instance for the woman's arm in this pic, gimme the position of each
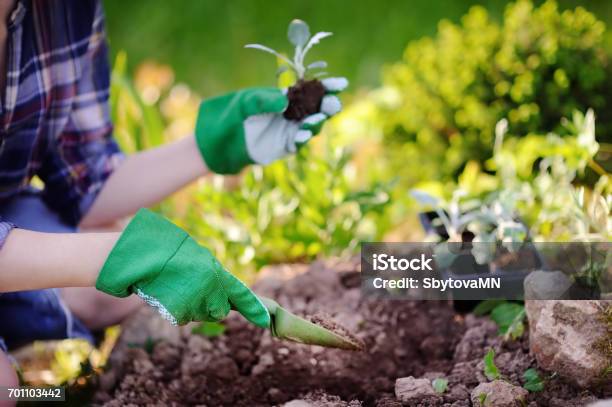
(33, 260)
(145, 179)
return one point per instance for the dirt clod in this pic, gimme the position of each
(304, 99)
(326, 322)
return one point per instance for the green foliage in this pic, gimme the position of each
(533, 381)
(440, 385)
(509, 318)
(441, 103)
(290, 211)
(209, 329)
(490, 369)
(485, 307)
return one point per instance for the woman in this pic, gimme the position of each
(56, 126)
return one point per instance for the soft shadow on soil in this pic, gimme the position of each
(246, 367)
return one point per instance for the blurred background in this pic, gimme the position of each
(203, 40)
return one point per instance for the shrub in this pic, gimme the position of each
(440, 104)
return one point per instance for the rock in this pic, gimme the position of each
(566, 337)
(546, 285)
(409, 389)
(297, 403)
(601, 403)
(498, 393)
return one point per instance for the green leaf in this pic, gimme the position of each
(490, 369)
(486, 306)
(209, 329)
(509, 318)
(482, 398)
(533, 381)
(298, 33)
(440, 385)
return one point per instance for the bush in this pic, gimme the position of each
(440, 104)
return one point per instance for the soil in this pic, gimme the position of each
(247, 367)
(304, 99)
(327, 322)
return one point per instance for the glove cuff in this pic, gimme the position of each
(219, 134)
(140, 254)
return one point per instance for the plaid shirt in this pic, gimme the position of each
(55, 120)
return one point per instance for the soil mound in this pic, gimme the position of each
(247, 367)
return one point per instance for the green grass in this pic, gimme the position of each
(203, 40)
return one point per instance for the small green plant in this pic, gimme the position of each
(508, 316)
(482, 398)
(299, 35)
(440, 385)
(533, 381)
(490, 369)
(305, 96)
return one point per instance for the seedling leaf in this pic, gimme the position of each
(440, 385)
(298, 33)
(314, 41)
(482, 398)
(282, 70)
(209, 329)
(490, 369)
(509, 318)
(270, 51)
(486, 306)
(317, 65)
(424, 198)
(533, 381)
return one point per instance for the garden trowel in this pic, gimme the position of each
(286, 325)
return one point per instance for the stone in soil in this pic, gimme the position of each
(304, 99)
(247, 367)
(569, 337)
(498, 393)
(411, 390)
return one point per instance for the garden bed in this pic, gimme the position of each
(246, 367)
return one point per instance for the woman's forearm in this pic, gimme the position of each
(32, 260)
(144, 179)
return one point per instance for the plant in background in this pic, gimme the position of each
(437, 108)
(290, 211)
(305, 95)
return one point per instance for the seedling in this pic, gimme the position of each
(533, 381)
(490, 369)
(305, 95)
(440, 385)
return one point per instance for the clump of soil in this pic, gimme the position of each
(247, 367)
(323, 320)
(304, 99)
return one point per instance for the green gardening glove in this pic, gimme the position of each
(164, 266)
(247, 127)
